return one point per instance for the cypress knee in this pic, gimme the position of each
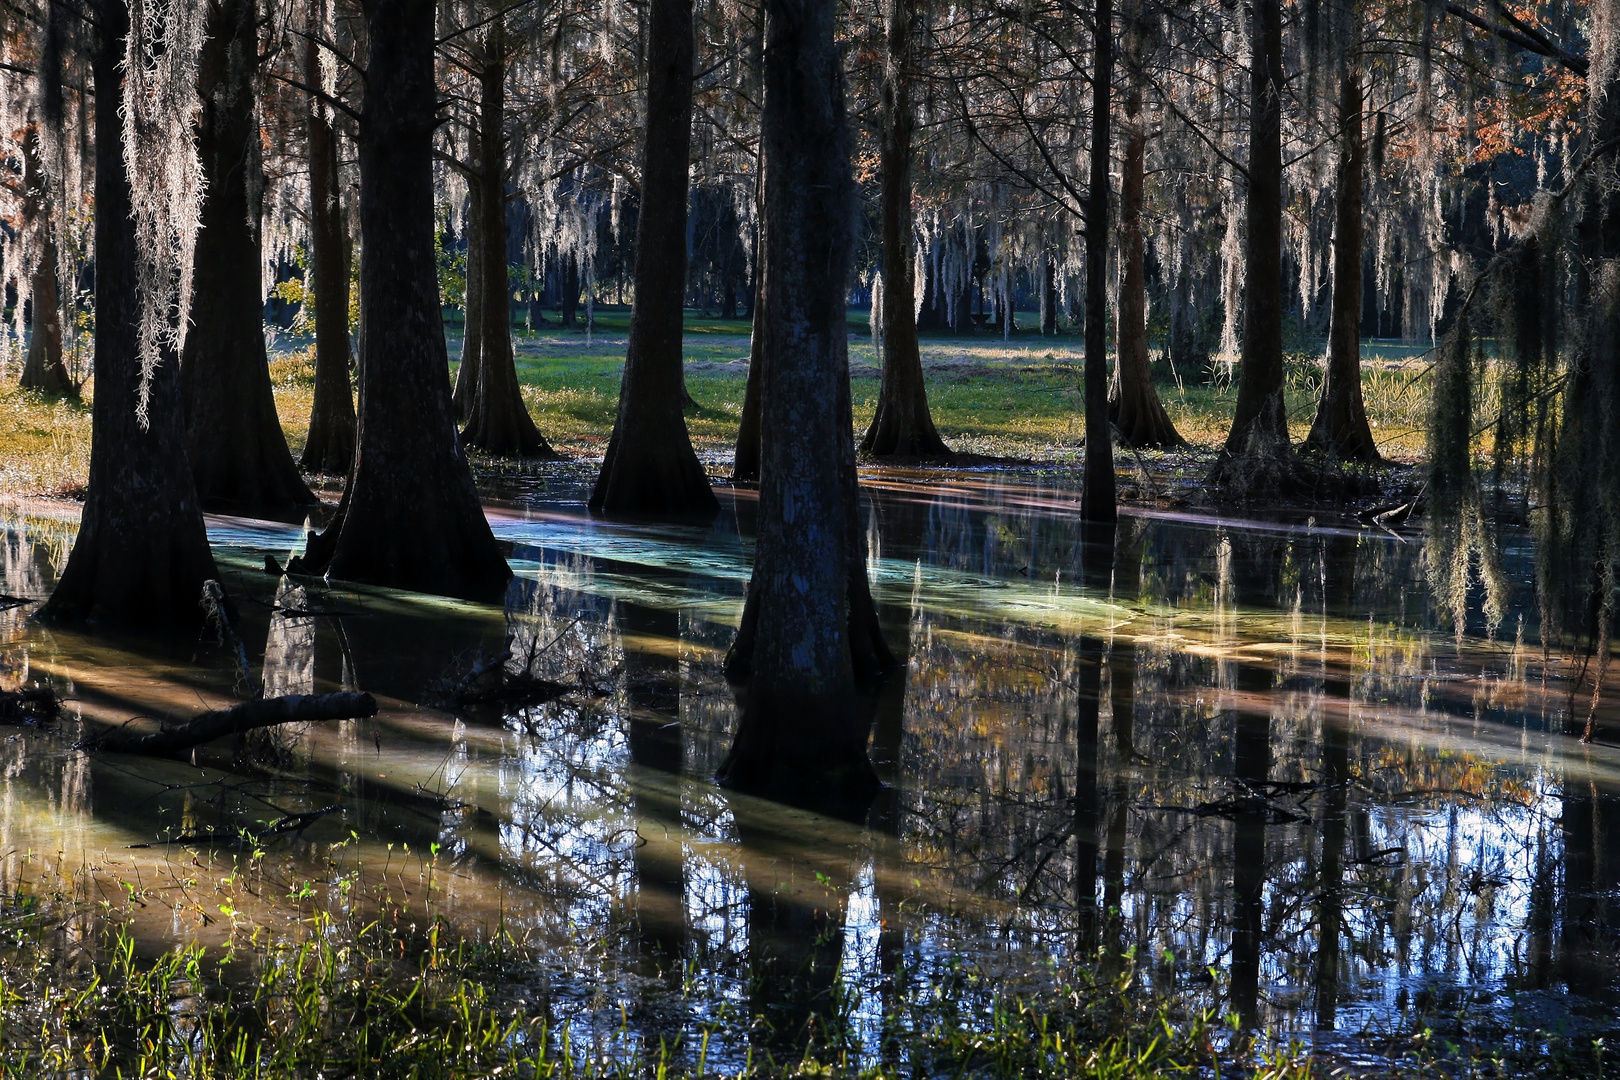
(238, 453)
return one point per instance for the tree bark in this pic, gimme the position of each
(1049, 298)
(1260, 422)
(498, 422)
(745, 460)
(1097, 498)
(1137, 412)
(902, 426)
(330, 445)
(141, 555)
(650, 468)
(470, 371)
(568, 286)
(238, 453)
(43, 369)
(410, 517)
(800, 738)
(1341, 429)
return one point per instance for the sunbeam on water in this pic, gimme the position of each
(1246, 754)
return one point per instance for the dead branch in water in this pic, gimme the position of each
(264, 712)
(38, 704)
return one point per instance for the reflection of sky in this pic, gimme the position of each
(1453, 753)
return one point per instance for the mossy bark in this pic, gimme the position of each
(142, 554)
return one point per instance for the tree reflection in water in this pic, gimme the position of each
(1244, 747)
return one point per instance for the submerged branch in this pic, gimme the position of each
(265, 712)
(36, 704)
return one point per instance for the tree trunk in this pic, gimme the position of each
(330, 446)
(238, 453)
(141, 555)
(568, 285)
(470, 371)
(745, 460)
(650, 468)
(1260, 422)
(43, 369)
(1136, 409)
(1049, 298)
(410, 517)
(800, 737)
(498, 422)
(902, 426)
(1097, 501)
(1341, 429)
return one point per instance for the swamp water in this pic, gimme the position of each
(1245, 755)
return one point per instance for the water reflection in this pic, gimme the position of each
(1247, 751)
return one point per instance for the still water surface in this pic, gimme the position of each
(1249, 751)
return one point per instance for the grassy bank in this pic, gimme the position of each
(380, 990)
(1017, 399)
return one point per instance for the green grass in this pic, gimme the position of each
(1017, 400)
(377, 990)
(44, 444)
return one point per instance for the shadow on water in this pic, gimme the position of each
(1248, 751)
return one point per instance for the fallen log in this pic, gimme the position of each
(263, 712)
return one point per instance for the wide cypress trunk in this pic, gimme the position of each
(43, 369)
(498, 423)
(1137, 412)
(330, 445)
(238, 452)
(902, 426)
(1260, 422)
(141, 555)
(1341, 429)
(410, 516)
(809, 617)
(1097, 499)
(650, 468)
